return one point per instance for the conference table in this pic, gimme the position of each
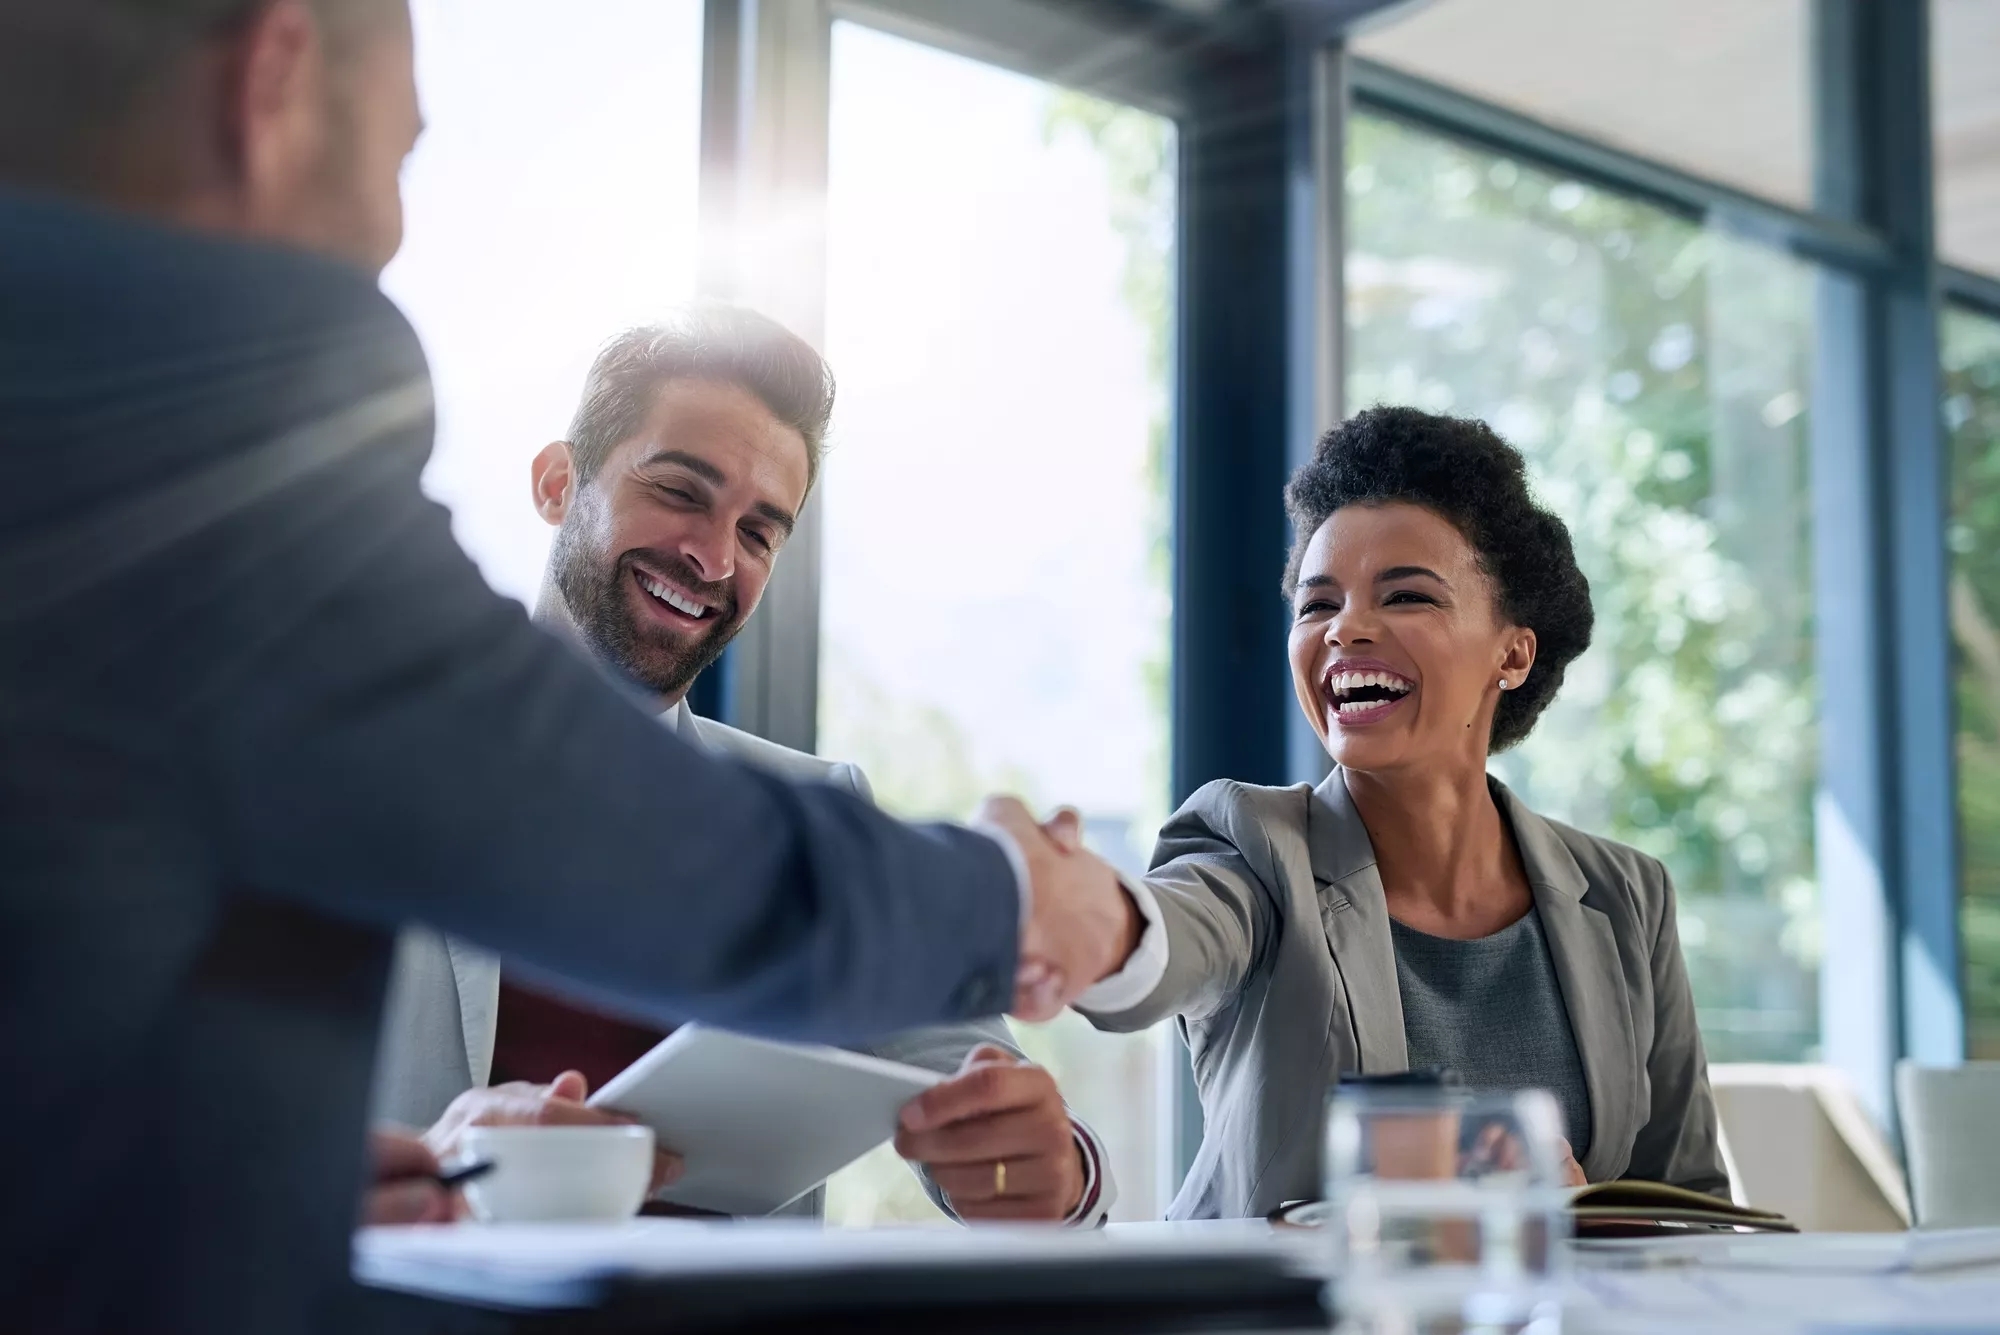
(752, 1277)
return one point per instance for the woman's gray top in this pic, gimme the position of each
(1492, 1010)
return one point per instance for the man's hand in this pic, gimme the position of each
(558, 1103)
(1081, 925)
(404, 1188)
(997, 1111)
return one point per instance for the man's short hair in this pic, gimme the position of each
(75, 71)
(707, 341)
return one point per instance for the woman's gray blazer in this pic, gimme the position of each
(1281, 972)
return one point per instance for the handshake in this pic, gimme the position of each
(1082, 925)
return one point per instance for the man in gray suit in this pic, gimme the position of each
(695, 445)
(258, 711)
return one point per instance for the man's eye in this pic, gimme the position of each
(757, 540)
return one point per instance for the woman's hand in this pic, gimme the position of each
(1571, 1170)
(1496, 1148)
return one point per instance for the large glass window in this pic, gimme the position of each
(995, 606)
(551, 203)
(1655, 374)
(1716, 87)
(1972, 419)
(1965, 101)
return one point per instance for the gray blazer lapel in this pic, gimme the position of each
(1355, 914)
(477, 977)
(1585, 951)
(690, 727)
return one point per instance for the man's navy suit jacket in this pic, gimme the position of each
(256, 710)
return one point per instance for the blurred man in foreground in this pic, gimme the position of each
(690, 457)
(257, 709)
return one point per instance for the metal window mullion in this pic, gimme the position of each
(767, 74)
(1259, 376)
(1971, 290)
(1886, 834)
(1317, 359)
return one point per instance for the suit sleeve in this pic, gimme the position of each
(1215, 909)
(384, 738)
(1679, 1143)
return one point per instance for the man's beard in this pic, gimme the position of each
(596, 596)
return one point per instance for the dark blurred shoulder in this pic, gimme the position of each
(87, 282)
(135, 358)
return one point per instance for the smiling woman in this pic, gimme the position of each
(1469, 481)
(1411, 912)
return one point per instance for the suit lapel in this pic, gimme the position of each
(1355, 913)
(1585, 952)
(476, 975)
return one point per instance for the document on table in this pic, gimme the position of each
(1773, 1303)
(1823, 1282)
(1847, 1253)
(552, 1266)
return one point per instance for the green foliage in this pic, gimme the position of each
(1654, 373)
(917, 758)
(1971, 346)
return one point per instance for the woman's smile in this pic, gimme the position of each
(1360, 692)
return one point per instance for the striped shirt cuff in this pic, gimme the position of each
(1099, 1191)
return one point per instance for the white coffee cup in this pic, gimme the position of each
(545, 1173)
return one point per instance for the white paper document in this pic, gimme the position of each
(1844, 1253)
(1899, 1282)
(757, 1123)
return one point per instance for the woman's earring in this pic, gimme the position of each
(1504, 684)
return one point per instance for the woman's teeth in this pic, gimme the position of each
(1345, 683)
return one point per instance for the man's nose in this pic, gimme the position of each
(711, 549)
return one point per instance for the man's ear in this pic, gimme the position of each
(275, 111)
(553, 478)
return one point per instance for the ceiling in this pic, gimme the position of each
(1716, 87)
(1965, 114)
(1719, 88)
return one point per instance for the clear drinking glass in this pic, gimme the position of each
(1446, 1211)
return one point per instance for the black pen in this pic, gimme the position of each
(457, 1177)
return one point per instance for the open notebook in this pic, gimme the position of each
(1641, 1209)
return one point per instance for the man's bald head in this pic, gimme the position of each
(280, 119)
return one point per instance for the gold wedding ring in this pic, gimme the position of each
(1000, 1178)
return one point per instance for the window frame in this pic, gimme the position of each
(1260, 93)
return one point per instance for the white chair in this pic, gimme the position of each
(1800, 1143)
(1950, 1116)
